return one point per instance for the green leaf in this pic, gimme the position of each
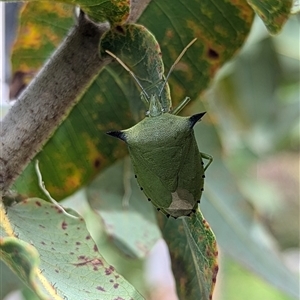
(70, 260)
(203, 245)
(127, 216)
(42, 27)
(220, 28)
(131, 267)
(193, 253)
(114, 11)
(136, 46)
(24, 260)
(274, 13)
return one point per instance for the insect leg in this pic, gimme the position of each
(208, 157)
(181, 105)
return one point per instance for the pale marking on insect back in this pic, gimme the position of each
(182, 199)
(155, 107)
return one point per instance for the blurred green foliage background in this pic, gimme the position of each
(257, 98)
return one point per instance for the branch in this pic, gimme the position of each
(46, 102)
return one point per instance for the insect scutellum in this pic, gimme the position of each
(154, 100)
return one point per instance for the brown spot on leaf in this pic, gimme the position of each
(120, 29)
(64, 225)
(116, 285)
(215, 273)
(38, 203)
(97, 163)
(97, 262)
(100, 288)
(109, 270)
(88, 237)
(212, 54)
(78, 243)
(95, 248)
(57, 209)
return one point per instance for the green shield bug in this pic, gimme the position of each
(164, 153)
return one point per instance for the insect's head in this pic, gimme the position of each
(155, 107)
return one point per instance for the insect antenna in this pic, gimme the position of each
(130, 72)
(175, 63)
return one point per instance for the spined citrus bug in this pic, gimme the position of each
(165, 155)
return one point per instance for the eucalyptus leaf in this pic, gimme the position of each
(70, 263)
(193, 251)
(274, 13)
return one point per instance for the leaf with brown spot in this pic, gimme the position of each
(42, 27)
(194, 253)
(274, 13)
(24, 260)
(66, 256)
